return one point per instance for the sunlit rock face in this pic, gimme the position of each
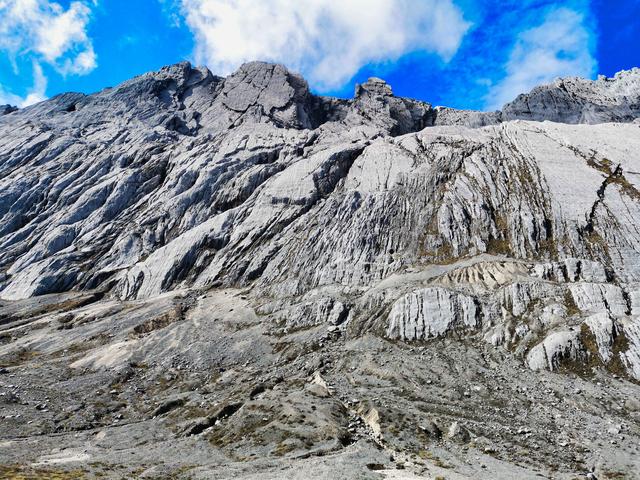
(7, 109)
(576, 100)
(310, 250)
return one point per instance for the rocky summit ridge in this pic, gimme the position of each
(207, 277)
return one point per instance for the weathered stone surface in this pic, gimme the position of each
(566, 100)
(576, 100)
(604, 330)
(556, 348)
(466, 118)
(431, 312)
(300, 279)
(6, 109)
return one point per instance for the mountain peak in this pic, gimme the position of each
(6, 109)
(266, 89)
(374, 86)
(579, 100)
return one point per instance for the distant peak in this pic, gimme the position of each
(6, 109)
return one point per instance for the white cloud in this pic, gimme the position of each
(327, 40)
(47, 32)
(36, 93)
(561, 46)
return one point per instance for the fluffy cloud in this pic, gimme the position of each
(561, 46)
(36, 93)
(327, 40)
(49, 33)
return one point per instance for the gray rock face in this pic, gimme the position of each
(467, 118)
(431, 312)
(576, 100)
(259, 91)
(374, 101)
(7, 109)
(566, 100)
(264, 276)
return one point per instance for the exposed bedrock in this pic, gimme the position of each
(245, 271)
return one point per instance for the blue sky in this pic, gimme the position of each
(461, 53)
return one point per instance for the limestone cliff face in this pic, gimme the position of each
(576, 100)
(566, 100)
(181, 179)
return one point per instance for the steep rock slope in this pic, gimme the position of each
(324, 249)
(576, 100)
(566, 100)
(122, 173)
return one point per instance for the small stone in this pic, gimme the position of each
(431, 429)
(458, 433)
(614, 430)
(632, 404)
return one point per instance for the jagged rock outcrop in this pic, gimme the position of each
(576, 100)
(7, 109)
(466, 118)
(556, 348)
(375, 103)
(195, 180)
(566, 100)
(431, 312)
(249, 234)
